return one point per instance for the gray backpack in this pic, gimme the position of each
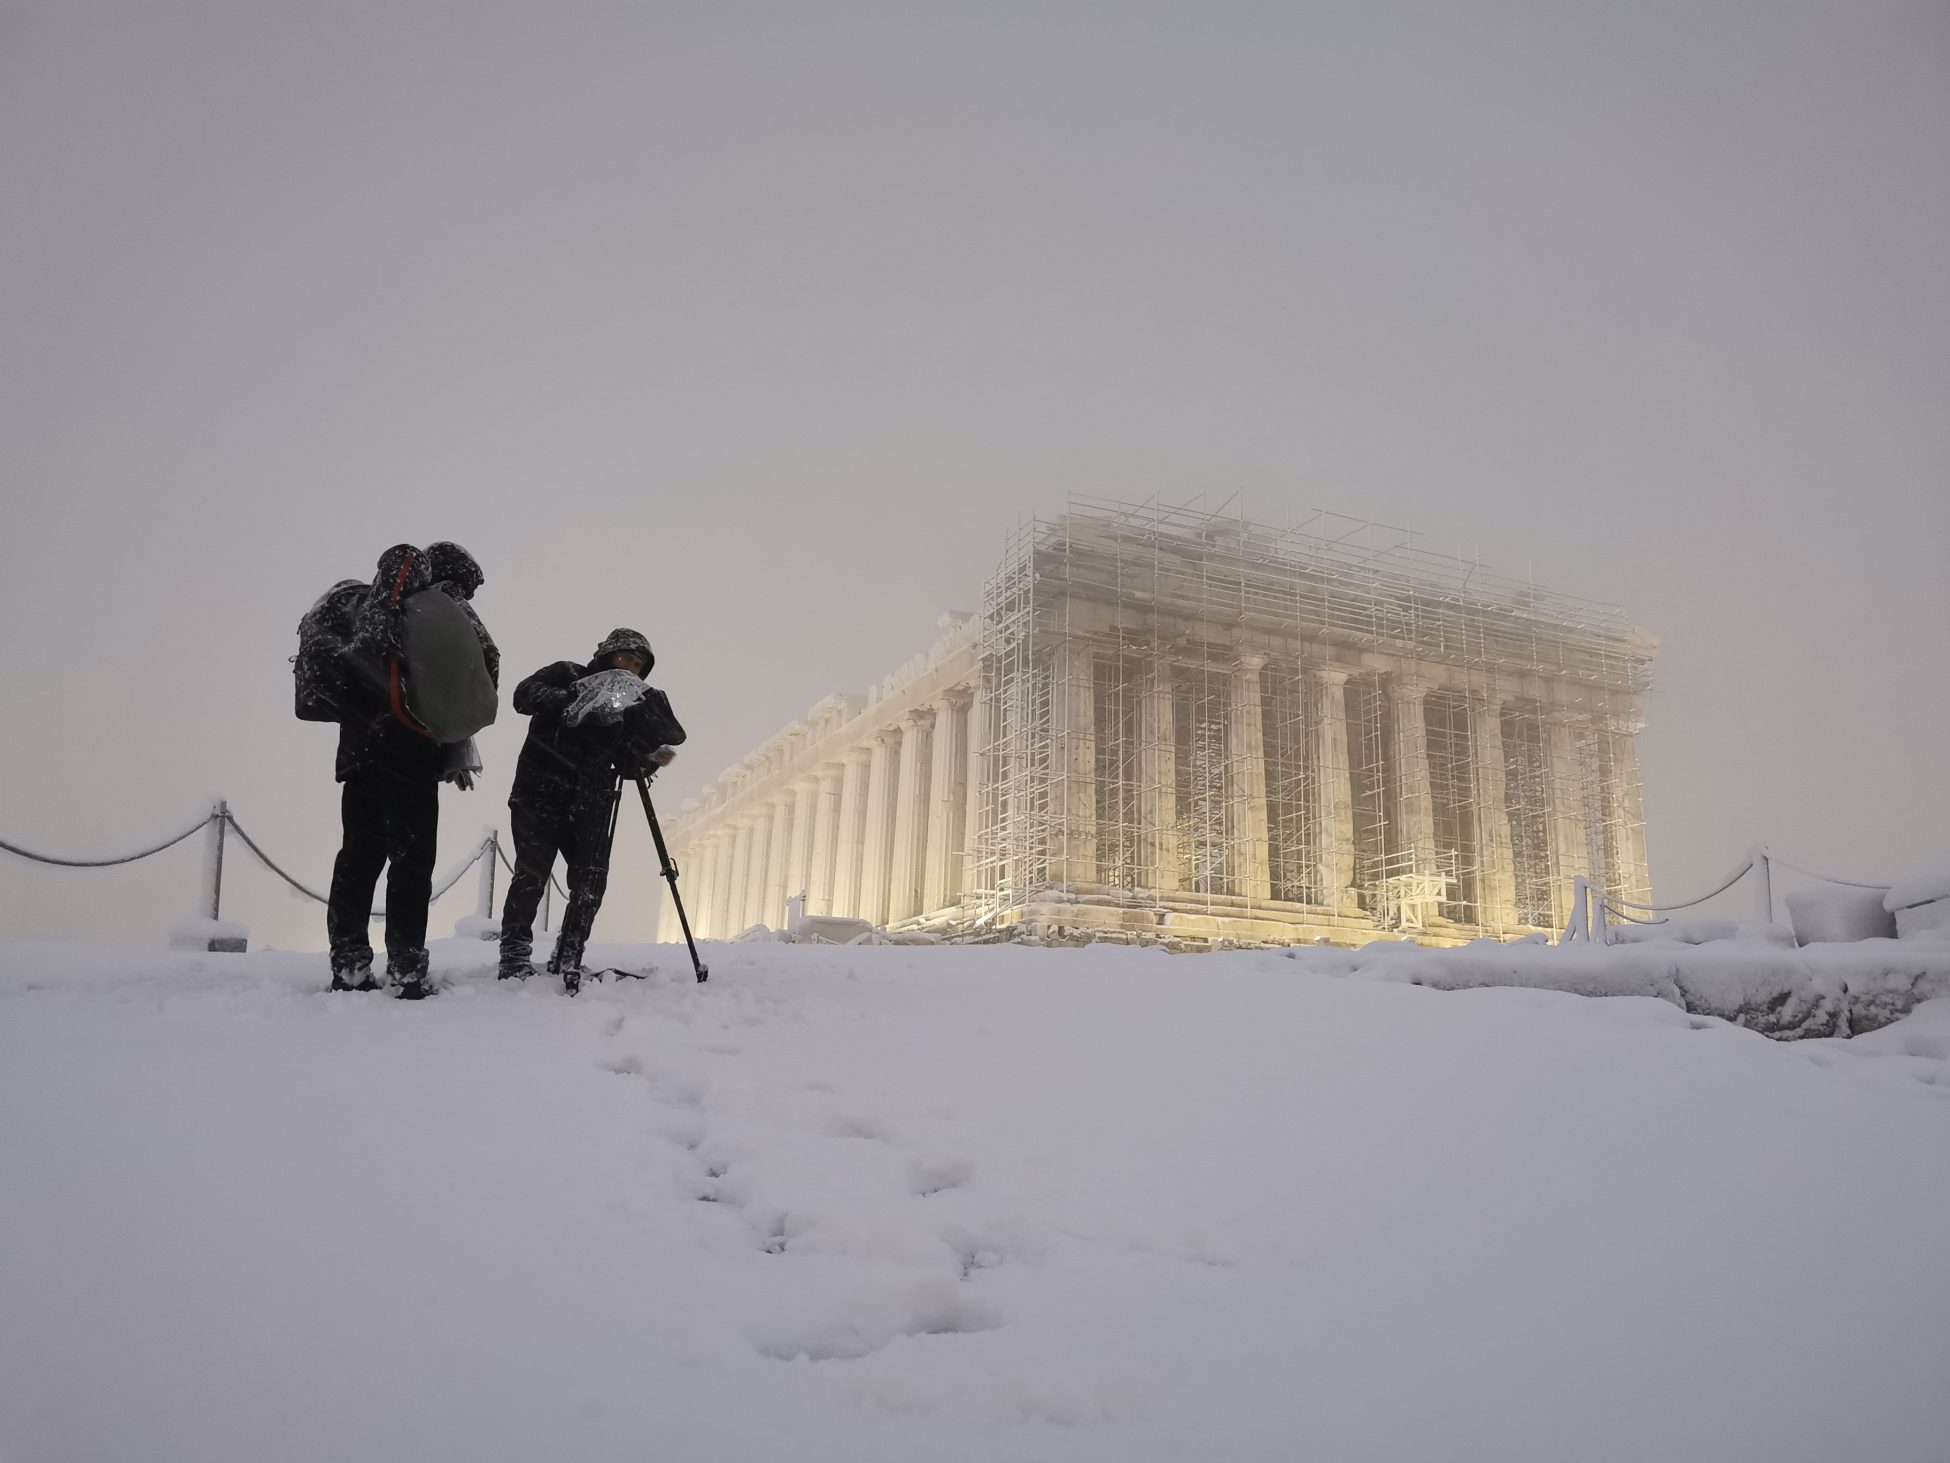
(447, 688)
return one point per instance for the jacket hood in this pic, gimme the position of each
(449, 563)
(403, 571)
(623, 639)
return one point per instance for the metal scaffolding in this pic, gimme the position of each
(1292, 732)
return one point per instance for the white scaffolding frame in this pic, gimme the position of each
(1125, 644)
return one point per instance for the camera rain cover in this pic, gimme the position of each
(602, 698)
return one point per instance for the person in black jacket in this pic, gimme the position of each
(578, 744)
(391, 772)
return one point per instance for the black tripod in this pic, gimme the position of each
(642, 781)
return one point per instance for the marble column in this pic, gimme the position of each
(851, 838)
(1496, 878)
(1073, 726)
(694, 882)
(778, 858)
(753, 912)
(1336, 846)
(1163, 852)
(1246, 781)
(798, 871)
(723, 881)
(738, 889)
(941, 882)
(1571, 853)
(1415, 800)
(909, 853)
(877, 851)
(824, 856)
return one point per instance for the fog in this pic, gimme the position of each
(757, 327)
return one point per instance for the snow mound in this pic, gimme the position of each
(1928, 882)
(1831, 913)
(1759, 983)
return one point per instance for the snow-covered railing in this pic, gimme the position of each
(1594, 910)
(220, 820)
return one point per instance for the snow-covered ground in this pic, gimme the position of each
(985, 1204)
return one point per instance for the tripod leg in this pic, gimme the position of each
(670, 877)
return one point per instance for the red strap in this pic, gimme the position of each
(400, 713)
(399, 583)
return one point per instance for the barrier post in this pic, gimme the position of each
(213, 860)
(1578, 926)
(1763, 883)
(207, 930)
(481, 924)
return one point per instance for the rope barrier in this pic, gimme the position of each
(312, 894)
(271, 863)
(1823, 878)
(1631, 919)
(104, 863)
(454, 878)
(1740, 874)
(480, 851)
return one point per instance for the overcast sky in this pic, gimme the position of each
(757, 326)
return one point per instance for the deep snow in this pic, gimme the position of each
(992, 1203)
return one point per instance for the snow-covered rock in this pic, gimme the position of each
(1701, 932)
(1925, 884)
(1825, 913)
(209, 935)
(1762, 982)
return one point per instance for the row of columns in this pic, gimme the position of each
(1074, 859)
(879, 833)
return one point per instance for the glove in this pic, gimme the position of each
(459, 762)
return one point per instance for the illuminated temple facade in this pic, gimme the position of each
(1178, 727)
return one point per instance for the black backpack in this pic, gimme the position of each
(325, 634)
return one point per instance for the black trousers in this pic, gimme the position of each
(581, 834)
(391, 822)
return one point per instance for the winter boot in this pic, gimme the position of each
(566, 959)
(409, 972)
(353, 976)
(515, 965)
(568, 965)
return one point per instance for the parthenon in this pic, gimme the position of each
(1174, 726)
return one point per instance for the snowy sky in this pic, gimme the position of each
(756, 327)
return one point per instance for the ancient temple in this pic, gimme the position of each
(1177, 726)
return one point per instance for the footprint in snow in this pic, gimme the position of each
(928, 1176)
(857, 1125)
(934, 1308)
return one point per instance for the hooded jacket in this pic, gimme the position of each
(565, 770)
(371, 737)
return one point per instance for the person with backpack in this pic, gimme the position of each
(408, 672)
(588, 725)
